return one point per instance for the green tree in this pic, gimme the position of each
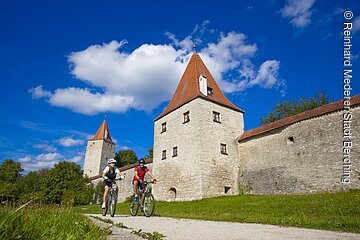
(150, 153)
(125, 157)
(65, 184)
(290, 108)
(10, 171)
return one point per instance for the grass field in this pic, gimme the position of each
(48, 223)
(328, 211)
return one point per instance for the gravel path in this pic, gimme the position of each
(183, 229)
(116, 233)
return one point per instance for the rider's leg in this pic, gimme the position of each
(106, 193)
(135, 187)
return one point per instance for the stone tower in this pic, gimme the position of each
(99, 149)
(195, 147)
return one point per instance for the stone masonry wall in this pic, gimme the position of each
(272, 163)
(178, 177)
(97, 153)
(219, 171)
(199, 170)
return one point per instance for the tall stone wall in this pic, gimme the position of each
(199, 170)
(97, 153)
(219, 171)
(179, 177)
(304, 157)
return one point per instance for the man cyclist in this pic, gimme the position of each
(139, 176)
(109, 174)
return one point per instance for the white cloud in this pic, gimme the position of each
(147, 76)
(34, 166)
(25, 159)
(45, 147)
(356, 24)
(44, 160)
(299, 11)
(75, 159)
(38, 92)
(48, 157)
(69, 142)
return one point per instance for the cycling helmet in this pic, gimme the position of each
(142, 161)
(111, 160)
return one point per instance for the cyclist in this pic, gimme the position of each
(139, 176)
(109, 174)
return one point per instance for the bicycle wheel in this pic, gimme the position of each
(112, 205)
(149, 205)
(134, 206)
(104, 210)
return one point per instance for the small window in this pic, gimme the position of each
(290, 140)
(223, 148)
(186, 117)
(227, 189)
(216, 117)
(175, 151)
(163, 155)
(163, 127)
(210, 91)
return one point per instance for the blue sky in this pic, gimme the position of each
(63, 64)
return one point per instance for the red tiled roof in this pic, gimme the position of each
(124, 168)
(103, 133)
(188, 88)
(332, 107)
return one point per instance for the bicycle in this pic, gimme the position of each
(111, 199)
(145, 201)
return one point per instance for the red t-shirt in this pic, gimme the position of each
(140, 172)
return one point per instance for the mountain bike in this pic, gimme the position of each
(111, 199)
(145, 201)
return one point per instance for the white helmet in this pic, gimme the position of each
(111, 160)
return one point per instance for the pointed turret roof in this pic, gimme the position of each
(189, 88)
(103, 133)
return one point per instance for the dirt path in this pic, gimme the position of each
(184, 229)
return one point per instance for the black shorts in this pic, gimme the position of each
(107, 182)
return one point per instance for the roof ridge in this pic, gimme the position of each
(188, 88)
(103, 133)
(312, 113)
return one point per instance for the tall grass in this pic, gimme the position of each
(50, 223)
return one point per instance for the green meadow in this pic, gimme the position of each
(327, 211)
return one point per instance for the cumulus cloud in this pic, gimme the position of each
(146, 77)
(44, 160)
(45, 147)
(48, 157)
(25, 159)
(299, 11)
(39, 92)
(76, 159)
(356, 24)
(34, 166)
(69, 142)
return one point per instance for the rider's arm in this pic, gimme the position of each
(136, 174)
(119, 174)
(104, 172)
(152, 176)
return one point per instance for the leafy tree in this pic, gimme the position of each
(150, 153)
(10, 171)
(65, 184)
(125, 157)
(290, 108)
